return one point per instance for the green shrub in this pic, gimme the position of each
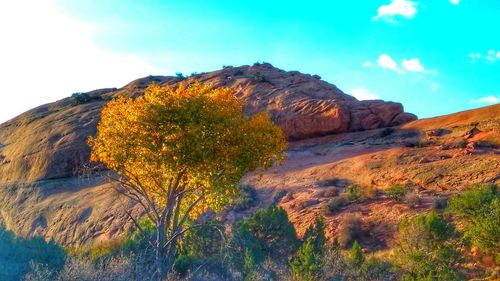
(397, 192)
(16, 253)
(428, 249)
(356, 257)
(354, 192)
(205, 241)
(268, 233)
(335, 204)
(81, 98)
(180, 75)
(306, 265)
(316, 232)
(479, 210)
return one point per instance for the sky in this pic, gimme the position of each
(434, 56)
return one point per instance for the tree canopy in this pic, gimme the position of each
(179, 152)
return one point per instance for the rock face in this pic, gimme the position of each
(49, 141)
(305, 106)
(43, 151)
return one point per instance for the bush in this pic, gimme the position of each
(16, 253)
(334, 264)
(397, 192)
(268, 233)
(479, 210)
(316, 232)
(335, 204)
(112, 269)
(81, 98)
(354, 192)
(427, 249)
(350, 229)
(180, 75)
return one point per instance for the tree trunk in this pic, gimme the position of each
(171, 252)
(161, 265)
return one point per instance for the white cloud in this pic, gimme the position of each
(385, 61)
(413, 65)
(367, 64)
(363, 94)
(488, 100)
(404, 8)
(490, 56)
(46, 55)
(455, 2)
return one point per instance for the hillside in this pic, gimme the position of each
(336, 140)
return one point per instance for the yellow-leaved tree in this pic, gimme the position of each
(179, 152)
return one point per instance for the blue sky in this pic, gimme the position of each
(434, 56)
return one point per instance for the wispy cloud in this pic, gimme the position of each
(490, 56)
(385, 61)
(413, 65)
(367, 64)
(363, 94)
(488, 100)
(397, 8)
(455, 2)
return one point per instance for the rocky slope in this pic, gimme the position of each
(46, 190)
(48, 142)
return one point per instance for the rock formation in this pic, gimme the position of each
(43, 152)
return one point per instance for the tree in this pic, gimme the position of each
(316, 232)
(179, 152)
(356, 256)
(427, 249)
(306, 265)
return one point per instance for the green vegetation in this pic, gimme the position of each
(265, 246)
(16, 253)
(306, 264)
(479, 210)
(428, 249)
(81, 98)
(268, 233)
(397, 192)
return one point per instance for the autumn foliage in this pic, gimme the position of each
(179, 152)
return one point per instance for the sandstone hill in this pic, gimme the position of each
(336, 140)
